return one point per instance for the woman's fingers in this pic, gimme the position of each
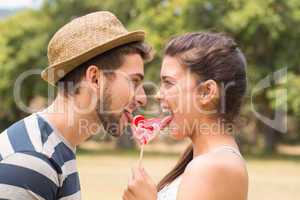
(147, 177)
(144, 173)
(127, 195)
(140, 186)
(137, 173)
(132, 177)
(129, 192)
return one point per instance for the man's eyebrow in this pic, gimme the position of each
(141, 76)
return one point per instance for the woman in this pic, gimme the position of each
(203, 81)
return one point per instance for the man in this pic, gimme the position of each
(97, 66)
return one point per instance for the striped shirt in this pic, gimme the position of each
(37, 163)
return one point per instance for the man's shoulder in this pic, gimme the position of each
(30, 149)
(31, 162)
(31, 175)
(26, 135)
(34, 136)
(28, 173)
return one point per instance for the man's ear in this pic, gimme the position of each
(208, 92)
(93, 76)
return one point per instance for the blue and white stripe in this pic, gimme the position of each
(5, 146)
(35, 163)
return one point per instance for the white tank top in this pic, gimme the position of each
(169, 192)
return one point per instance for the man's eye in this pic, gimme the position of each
(135, 83)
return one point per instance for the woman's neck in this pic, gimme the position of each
(213, 136)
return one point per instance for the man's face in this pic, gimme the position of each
(122, 94)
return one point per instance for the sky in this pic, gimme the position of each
(17, 4)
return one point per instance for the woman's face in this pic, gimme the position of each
(178, 95)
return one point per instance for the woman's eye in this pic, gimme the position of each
(167, 83)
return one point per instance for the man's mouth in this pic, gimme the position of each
(128, 116)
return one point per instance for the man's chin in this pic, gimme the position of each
(114, 125)
(116, 135)
(114, 131)
(123, 127)
(118, 131)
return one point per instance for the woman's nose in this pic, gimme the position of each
(158, 95)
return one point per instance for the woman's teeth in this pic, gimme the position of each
(166, 112)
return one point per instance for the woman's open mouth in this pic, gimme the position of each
(168, 117)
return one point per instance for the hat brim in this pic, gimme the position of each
(55, 72)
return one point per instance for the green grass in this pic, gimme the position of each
(104, 173)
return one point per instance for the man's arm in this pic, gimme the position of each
(28, 176)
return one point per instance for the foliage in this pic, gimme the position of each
(267, 31)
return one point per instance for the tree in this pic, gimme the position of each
(267, 31)
(22, 47)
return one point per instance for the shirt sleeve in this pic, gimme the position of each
(28, 176)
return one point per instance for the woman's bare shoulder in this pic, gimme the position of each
(219, 174)
(218, 161)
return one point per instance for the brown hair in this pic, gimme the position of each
(110, 60)
(212, 56)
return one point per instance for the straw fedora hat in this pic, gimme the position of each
(82, 39)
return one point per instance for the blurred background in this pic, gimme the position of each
(268, 32)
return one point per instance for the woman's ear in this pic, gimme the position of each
(208, 93)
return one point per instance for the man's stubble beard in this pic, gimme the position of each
(109, 120)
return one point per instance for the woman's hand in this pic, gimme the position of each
(140, 186)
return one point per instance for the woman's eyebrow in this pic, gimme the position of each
(164, 77)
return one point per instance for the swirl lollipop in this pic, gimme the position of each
(145, 130)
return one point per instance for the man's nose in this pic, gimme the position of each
(141, 97)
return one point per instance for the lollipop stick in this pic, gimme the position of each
(141, 155)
